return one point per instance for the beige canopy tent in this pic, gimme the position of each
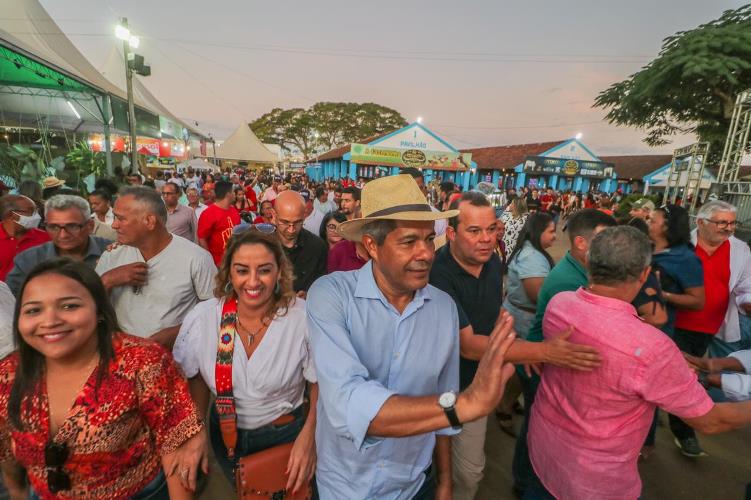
(243, 145)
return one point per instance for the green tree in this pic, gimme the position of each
(325, 125)
(691, 86)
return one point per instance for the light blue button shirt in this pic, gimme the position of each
(365, 352)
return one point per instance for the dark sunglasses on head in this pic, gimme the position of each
(55, 455)
(262, 227)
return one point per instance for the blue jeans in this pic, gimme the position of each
(521, 467)
(720, 349)
(427, 490)
(536, 491)
(155, 490)
(251, 441)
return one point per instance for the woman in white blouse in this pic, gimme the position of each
(271, 361)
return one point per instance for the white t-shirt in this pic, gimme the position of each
(193, 181)
(269, 195)
(268, 385)
(199, 210)
(313, 222)
(179, 277)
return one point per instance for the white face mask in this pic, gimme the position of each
(28, 221)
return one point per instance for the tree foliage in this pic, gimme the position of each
(324, 126)
(691, 86)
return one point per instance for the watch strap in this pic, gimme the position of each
(452, 417)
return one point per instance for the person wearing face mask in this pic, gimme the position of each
(18, 229)
(70, 225)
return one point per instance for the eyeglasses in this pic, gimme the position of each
(55, 455)
(331, 227)
(69, 228)
(724, 224)
(297, 223)
(665, 209)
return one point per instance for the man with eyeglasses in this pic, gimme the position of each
(69, 224)
(181, 219)
(305, 250)
(727, 290)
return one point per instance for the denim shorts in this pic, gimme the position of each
(155, 490)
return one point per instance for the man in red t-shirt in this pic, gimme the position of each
(250, 194)
(18, 229)
(725, 261)
(216, 222)
(546, 200)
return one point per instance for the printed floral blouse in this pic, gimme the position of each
(115, 434)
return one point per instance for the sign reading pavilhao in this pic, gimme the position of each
(363, 154)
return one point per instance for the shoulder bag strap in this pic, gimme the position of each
(225, 401)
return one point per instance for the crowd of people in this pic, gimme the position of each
(372, 326)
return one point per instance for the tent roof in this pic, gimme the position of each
(26, 27)
(197, 164)
(243, 145)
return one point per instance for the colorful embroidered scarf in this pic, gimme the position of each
(225, 401)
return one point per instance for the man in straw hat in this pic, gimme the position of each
(386, 349)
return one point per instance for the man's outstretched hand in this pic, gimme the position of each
(486, 390)
(560, 352)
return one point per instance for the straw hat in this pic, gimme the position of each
(52, 182)
(396, 197)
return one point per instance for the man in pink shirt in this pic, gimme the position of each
(587, 428)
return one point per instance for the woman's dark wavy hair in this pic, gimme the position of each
(677, 225)
(536, 224)
(31, 362)
(337, 216)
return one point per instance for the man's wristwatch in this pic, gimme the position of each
(447, 401)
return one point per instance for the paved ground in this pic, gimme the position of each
(666, 475)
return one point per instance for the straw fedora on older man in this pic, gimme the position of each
(396, 197)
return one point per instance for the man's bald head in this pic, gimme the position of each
(290, 205)
(290, 215)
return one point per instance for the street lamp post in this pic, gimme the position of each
(133, 62)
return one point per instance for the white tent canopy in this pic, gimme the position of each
(197, 164)
(243, 145)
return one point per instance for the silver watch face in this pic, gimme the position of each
(447, 400)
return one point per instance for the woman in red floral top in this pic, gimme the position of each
(86, 411)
